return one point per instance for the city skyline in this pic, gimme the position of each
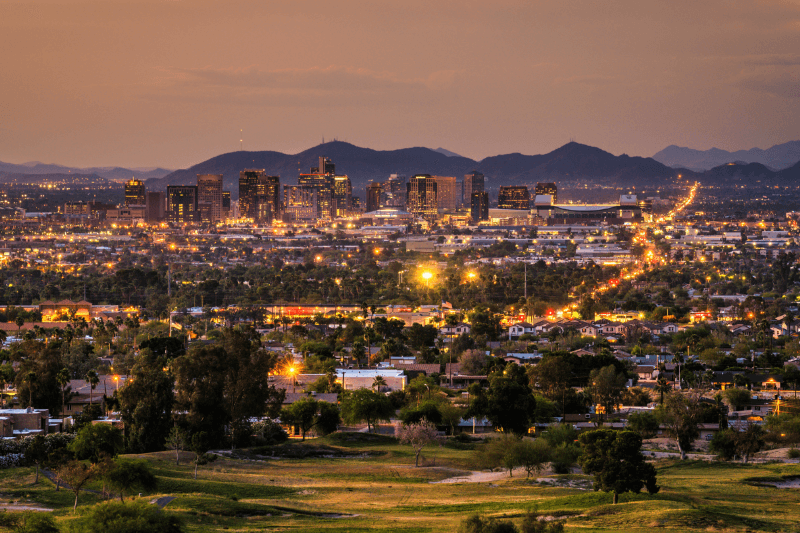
(116, 84)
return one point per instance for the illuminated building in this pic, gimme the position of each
(514, 197)
(134, 192)
(226, 204)
(473, 182)
(374, 194)
(182, 204)
(547, 189)
(446, 193)
(479, 206)
(394, 192)
(300, 202)
(342, 195)
(421, 196)
(209, 191)
(322, 179)
(259, 196)
(626, 210)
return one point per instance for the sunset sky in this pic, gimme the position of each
(172, 82)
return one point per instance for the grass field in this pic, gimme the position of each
(377, 488)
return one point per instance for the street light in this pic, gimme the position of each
(427, 277)
(292, 370)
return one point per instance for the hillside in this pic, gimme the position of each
(572, 161)
(111, 173)
(86, 180)
(779, 156)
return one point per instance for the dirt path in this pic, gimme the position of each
(480, 477)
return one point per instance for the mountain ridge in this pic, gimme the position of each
(777, 157)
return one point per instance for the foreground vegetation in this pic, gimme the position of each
(373, 485)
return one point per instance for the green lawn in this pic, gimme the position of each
(379, 489)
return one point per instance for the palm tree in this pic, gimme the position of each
(92, 380)
(30, 378)
(19, 322)
(62, 378)
(662, 387)
(379, 383)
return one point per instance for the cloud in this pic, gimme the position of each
(588, 79)
(773, 59)
(782, 84)
(332, 85)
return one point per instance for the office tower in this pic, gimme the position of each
(447, 196)
(209, 197)
(547, 188)
(155, 207)
(259, 196)
(421, 196)
(226, 204)
(182, 204)
(479, 206)
(134, 192)
(473, 182)
(514, 197)
(342, 195)
(394, 192)
(300, 202)
(374, 194)
(323, 184)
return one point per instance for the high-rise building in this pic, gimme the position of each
(300, 202)
(259, 196)
(514, 197)
(473, 182)
(156, 203)
(342, 195)
(182, 204)
(374, 196)
(226, 204)
(547, 189)
(209, 197)
(134, 192)
(447, 196)
(479, 206)
(394, 192)
(325, 166)
(323, 184)
(421, 196)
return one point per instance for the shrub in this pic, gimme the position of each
(476, 524)
(268, 432)
(136, 517)
(35, 522)
(794, 453)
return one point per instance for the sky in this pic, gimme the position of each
(170, 83)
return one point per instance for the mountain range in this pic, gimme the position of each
(110, 173)
(778, 157)
(572, 162)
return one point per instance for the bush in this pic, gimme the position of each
(137, 517)
(268, 433)
(563, 456)
(35, 522)
(794, 453)
(476, 524)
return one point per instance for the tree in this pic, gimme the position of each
(606, 387)
(552, 376)
(379, 383)
(146, 404)
(19, 322)
(92, 379)
(417, 435)
(36, 453)
(308, 413)
(62, 378)
(473, 362)
(500, 451)
(736, 399)
(662, 387)
(681, 414)
(75, 475)
(128, 474)
(645, 424)
(365, 405)
(176, 440)
(749, 442)
(199, 445)
(227, 385)
(532, 455)
(508, 403)
(93, 441)
(137, 517)
(616, 461)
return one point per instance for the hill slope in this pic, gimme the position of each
(779, 156)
